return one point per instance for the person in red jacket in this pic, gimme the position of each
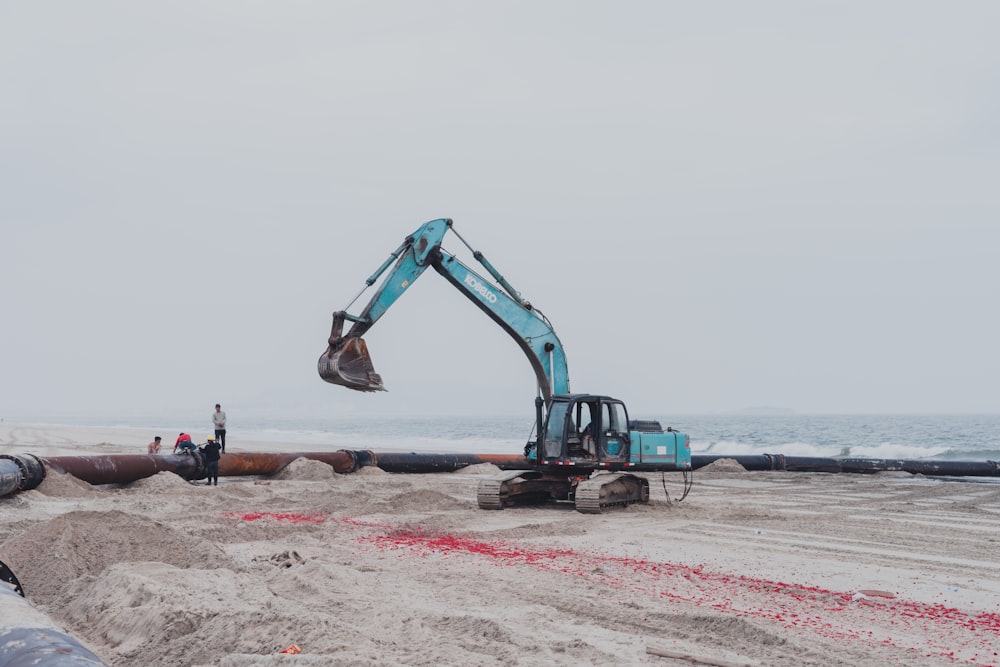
(184, 442)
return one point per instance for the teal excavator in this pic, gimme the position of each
(593, 465)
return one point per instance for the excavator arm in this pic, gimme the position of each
(347, 362)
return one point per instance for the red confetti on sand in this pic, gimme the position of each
(932, 629)
(831, 614)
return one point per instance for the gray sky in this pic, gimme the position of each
(718, 204)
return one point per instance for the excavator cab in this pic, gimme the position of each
(347, 362)
(604, 438)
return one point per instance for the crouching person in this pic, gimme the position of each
(184, 443)
(210, 451)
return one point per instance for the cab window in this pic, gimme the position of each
(617, 420)
(552, 444)
(614, 431)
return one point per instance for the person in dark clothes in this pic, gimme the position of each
(210, 450)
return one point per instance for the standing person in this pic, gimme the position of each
(154, 447)
(211, 451)
(219, 419)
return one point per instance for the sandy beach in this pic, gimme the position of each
(372, 567)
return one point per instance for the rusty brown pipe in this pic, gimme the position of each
(268, 463)
(26, 472)
(121, 468)
(346, 461)
(126, 468)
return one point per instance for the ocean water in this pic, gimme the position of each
(953, 437)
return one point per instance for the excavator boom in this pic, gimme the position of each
(347, 361)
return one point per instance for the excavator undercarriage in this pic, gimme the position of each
(593, 495)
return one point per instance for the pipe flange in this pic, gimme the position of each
(360, 458)
(775, 461)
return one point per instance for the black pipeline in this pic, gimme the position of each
(29, 637)
(817, 464)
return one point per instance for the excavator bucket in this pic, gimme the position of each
(350, 365)
(346, 360)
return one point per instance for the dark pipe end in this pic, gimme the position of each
(8, 576)
(32, 470)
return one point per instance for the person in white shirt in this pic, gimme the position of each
(219, 420)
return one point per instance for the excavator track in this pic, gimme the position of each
(493, 493)
(522, 487)
(606, 491)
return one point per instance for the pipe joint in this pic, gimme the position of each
(360, 458)
(775, 461)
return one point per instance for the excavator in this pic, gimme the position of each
(591, 466)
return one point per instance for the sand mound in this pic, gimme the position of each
(306, 470)
(60, 485)
(370, 470)
(153, 613)
(86, 543)
(162, 482)
(424, 500)
(723, 465)
(488, 469)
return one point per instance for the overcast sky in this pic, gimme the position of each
(718, 205)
